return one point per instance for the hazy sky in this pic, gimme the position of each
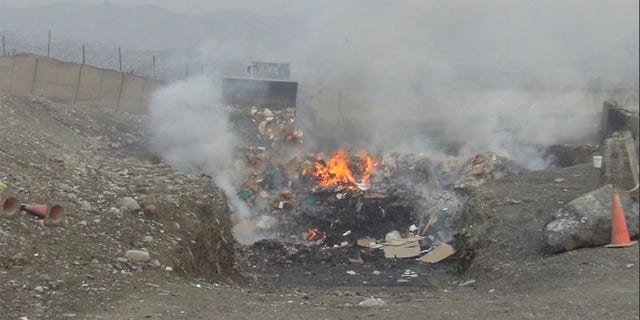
(186, 6)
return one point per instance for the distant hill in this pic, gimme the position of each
(376, 47)
(183, 44)
(143, 27)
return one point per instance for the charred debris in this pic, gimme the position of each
(390, 205)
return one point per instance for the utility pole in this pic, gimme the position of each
(83, 60)
(153, 67)
(120, 58)
(4, 50)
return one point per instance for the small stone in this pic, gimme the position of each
(559, 180)
(39, 289)
(147, 239)
(137, 255)
(513, 201)
(630, 265)
(466, 283)
(372, 302)
(83, 223)
(351, 272)
(150, 211)
(168, 269)
(376, 272)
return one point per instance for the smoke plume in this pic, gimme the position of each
(190, 128)
(506, 76)
(437, 77)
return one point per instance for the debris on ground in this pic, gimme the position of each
(438, 254)
(402, 248)
(482, 167)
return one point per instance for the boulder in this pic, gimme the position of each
(137, 255)
(586, 221)
(129, 204)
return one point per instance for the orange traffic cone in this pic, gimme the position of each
(9, 206)
(53, 215)
(619, 232)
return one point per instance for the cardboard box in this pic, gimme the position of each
(367, 242)
(438, 254)
(402, 248)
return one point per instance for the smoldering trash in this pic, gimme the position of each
(333, 200)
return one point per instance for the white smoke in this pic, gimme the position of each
(190, 128)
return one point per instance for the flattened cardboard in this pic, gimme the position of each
(402, 248)
(438, 254)
(366, 242)
(403, 241)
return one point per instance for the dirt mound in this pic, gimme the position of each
(87, 159)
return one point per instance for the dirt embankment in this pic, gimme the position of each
(86, 159)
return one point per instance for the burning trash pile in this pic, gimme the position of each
(264, 128)
(483, 167)
(345, 198)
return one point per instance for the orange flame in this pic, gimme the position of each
(314, 234)
(336, 171)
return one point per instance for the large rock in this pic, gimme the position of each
(586, 221)
(129, 204)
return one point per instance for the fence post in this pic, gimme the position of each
(4, 49)
(153, 67)
(83, 61)
(119, 59)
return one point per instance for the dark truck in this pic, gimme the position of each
(267, 86)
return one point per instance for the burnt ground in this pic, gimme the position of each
(87, 159)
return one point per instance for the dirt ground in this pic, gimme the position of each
(86, 159)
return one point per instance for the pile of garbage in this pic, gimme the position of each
(483, 167)
(266, 128)
(340, 198)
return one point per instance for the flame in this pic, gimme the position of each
(336, 171)
(314, 234)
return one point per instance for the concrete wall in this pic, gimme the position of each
(73, 83)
